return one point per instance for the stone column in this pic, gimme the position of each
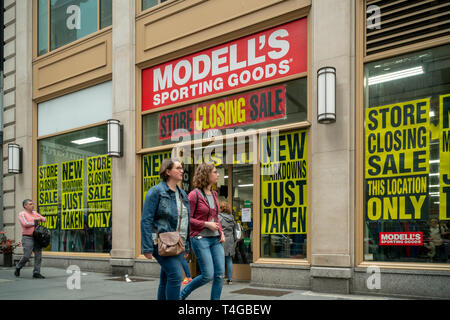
(124, 173)
(332, 157)
(23, 105)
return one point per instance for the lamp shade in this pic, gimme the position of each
(115, 139)
(14, 158)
(326, 95)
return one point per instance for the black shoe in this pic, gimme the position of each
(17, 272)
(38, 276)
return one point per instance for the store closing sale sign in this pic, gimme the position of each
(283, 183)
(150, 170)
(99, 192)
(72, 197)
(246, 108)
(444, 157)
(48, 198)
(397, 161)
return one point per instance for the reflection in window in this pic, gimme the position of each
(74, 190)
(61, 22)
(151, 3)
(407, 158)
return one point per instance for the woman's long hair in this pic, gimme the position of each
(201, 176)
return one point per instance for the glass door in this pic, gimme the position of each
(242, 205)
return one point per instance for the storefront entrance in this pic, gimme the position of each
(235, 187)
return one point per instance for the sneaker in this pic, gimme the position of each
(17, 272)
(38, 276)
(186, 280)
(229, 282)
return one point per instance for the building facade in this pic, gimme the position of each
(356, 205)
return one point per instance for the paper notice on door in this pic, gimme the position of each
(246, 215)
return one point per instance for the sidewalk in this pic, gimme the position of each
(101, 286)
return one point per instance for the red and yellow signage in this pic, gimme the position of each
(256, 59)
(242, 109)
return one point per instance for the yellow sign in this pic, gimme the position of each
(444, 158)
(283, 183)
(150, 170)
(397, 160)
(48, 199)
(99, 192)
(72, 197)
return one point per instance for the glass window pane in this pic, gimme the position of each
(407, 156)
(77, 109)
(71, 20)
(148, 4)
(284, 195)
(105, 13)
(74, 190)
(42, 27)
(295, 94)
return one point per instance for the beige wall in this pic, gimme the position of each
(9, 117)
(332, 158)
(124, 108)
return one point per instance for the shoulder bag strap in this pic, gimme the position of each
(181, 211)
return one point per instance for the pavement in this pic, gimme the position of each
(60, 285)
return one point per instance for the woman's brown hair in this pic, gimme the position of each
(225, 207)
(201, 176)
(167, 164)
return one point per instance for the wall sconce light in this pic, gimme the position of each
(326, 95)
(14, 158)
(115, 138)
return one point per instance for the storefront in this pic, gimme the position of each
(236, 83)
(249, 118)
(74, 185)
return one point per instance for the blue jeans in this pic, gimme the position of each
(211, 261)
(170, 277)
(229, 265)
(185, 265)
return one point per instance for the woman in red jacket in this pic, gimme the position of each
(206, 232)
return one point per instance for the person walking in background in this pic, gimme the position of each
(28, 219)
(206, 232)
(227, 221)
(164, 203)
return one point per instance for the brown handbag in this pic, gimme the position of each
(171, 243)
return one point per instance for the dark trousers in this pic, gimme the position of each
(29, 245)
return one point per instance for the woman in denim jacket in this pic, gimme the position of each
(161, 214)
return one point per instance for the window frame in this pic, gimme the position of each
(361, 59)
(49, 51)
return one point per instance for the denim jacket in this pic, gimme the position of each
(160, 212)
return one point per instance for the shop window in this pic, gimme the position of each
(151, 3)
(74, 190)
(74, 110)
(61, 22)
(284, 195)
(262, 108)
(407, 157)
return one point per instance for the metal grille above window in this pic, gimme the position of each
(396, 23)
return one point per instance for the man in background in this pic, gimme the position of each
(27, 219)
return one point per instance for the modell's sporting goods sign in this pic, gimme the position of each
(269, 55)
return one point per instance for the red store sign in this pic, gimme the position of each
(228, 112)
(401, 239)
(269, 55)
